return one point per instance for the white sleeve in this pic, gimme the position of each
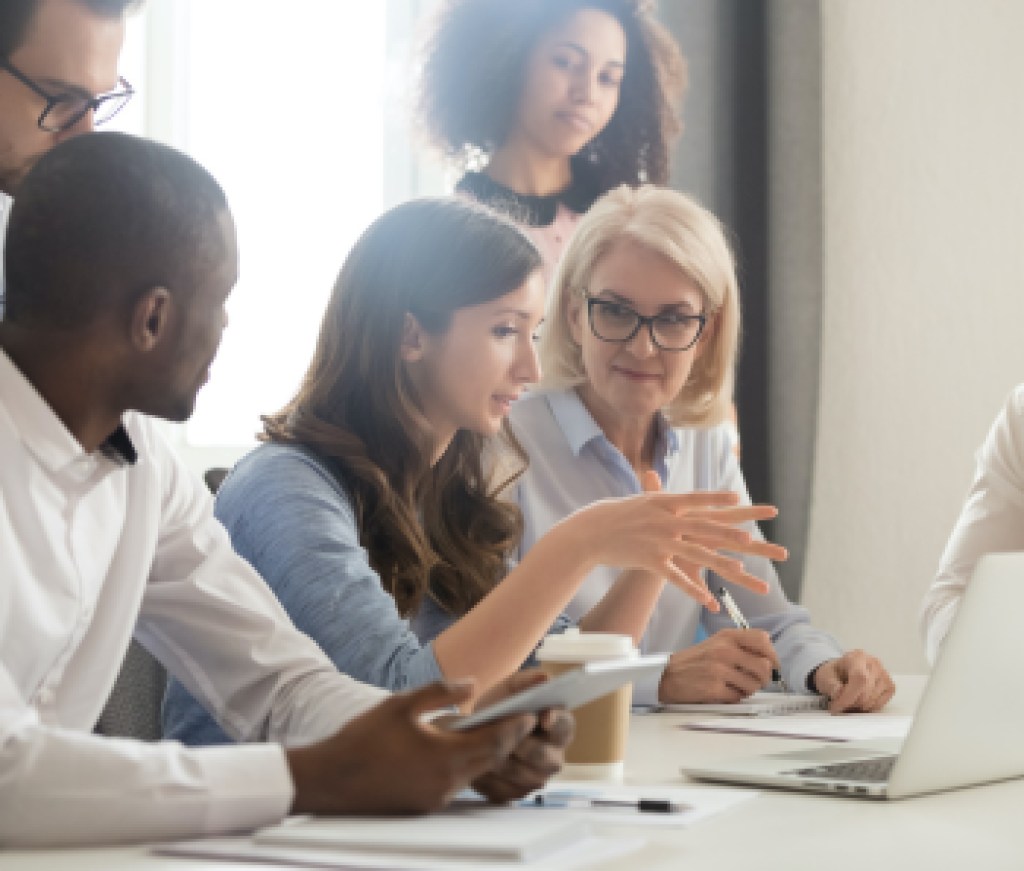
(991, 521)
(63, 787)
(217, 627)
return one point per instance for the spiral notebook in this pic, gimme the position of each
(760, 704)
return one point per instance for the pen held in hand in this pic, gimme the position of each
(736, 615)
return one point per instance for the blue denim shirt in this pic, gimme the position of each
(289, 516)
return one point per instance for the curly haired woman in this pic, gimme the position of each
(547, 104)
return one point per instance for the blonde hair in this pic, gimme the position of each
(675, 226)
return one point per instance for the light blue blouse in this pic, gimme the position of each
(572, 464)
(289, 516)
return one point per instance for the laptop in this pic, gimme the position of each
(968, 725)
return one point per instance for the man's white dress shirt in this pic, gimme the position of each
(96, 546)
(992, 520)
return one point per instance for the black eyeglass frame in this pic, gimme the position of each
(641, 321)
(88, 103)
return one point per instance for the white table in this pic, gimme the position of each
(979, 829)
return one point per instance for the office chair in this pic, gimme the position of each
(214, 477)
(133, 709)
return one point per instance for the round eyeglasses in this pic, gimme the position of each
(614, 321)
(64, 111)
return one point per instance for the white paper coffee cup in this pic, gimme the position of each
(598, 750)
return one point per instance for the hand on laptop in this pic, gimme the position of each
(727, 667)
(855, 683)
(391, 761)
(537, 757)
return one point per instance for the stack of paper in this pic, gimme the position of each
(488, 834)
(760, 704)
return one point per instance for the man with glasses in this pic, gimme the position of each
(58, 78)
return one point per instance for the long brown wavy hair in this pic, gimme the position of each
(474, 58)
(437, 530)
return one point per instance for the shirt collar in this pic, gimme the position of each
(576, 423)
(580, 429)
(43, 433)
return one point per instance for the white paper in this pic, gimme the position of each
(819, 726)
(583, 854)
(477, 831)
(760, 704)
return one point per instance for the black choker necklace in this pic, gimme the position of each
(528, 209)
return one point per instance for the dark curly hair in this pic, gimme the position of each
(437, 530)
(474, 59)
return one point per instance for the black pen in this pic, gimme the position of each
(741, 623)
(572, 800)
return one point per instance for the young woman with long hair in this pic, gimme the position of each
(376, 494)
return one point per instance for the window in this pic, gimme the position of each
(298, 110)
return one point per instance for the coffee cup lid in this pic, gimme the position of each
(575, 646)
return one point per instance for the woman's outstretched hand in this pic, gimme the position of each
(676, 536)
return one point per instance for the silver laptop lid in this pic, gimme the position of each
(969, 725)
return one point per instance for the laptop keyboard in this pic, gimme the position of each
(864, 770)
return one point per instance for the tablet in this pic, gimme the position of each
(570, 689)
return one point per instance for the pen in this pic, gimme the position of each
(571, 800)
(741, 623)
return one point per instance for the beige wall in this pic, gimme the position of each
(923, 309)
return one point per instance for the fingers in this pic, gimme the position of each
(749, 651)
(884, 691)
(485, 748)
(742, 681)
(868, 686)
(500, 790)
(532, 763)
(693, 586)
(650, 481)
(775, 552)
(716, 670)
(855, 682)
(720, 536)
(535, 760)
(511, 685)
(739, 576)
(755, 642)
(557, 727)
(726, 567)
(433, 697)
(696, 499)
(735, 516)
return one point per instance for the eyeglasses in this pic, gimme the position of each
(64, 111)
(615, 322)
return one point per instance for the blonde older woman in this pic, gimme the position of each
(638, 357)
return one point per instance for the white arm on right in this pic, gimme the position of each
(992, 521)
